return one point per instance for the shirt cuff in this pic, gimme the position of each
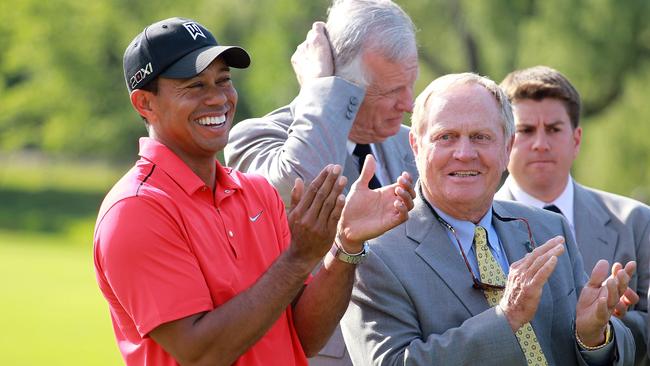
(601, 356)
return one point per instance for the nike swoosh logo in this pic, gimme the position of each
(254, 218)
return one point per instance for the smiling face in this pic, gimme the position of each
(545, 147)
(461, 152)
(388, 97)
(193, 116)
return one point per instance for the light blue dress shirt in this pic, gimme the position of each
(465, 232)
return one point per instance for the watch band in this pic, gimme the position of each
(356, 258)
(608, 338)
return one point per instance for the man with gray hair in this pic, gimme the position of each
(357, 74)
(467, 280)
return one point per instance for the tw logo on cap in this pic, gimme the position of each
(194, 30)
(141, 74)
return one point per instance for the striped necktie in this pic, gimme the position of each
(492, 273)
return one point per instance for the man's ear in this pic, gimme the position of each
(577, 140)
(414, 144)
(142, 101)
(509, 143)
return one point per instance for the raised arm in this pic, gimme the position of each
(367, 214)
(598, 296)
(222, 335)
(298, 140)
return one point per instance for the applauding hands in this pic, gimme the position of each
(320, 212)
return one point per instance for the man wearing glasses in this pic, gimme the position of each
(463, 280)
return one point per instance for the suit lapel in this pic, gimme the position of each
(443, 257)
(594, 237)
(350, 171)
(512, 234)
(515, 242)
(395, 158)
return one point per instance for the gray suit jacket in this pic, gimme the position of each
(413, 302)
(300, 139)
(617, 229)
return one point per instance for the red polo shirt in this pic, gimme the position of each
(167, 247)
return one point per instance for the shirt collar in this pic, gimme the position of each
(465, 229)
(564, 201)
(350, 146)
(163, 157)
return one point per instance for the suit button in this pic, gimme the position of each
(354, 100)
(349, 114)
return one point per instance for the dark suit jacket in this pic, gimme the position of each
(413, 302)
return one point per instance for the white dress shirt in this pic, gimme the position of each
(564, 201)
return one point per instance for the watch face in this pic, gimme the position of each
(352, 259)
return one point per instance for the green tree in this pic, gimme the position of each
(62, 90)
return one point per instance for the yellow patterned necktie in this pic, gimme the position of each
(491, 273)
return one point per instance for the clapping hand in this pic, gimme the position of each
(629, 297)
(526, 280)
(369, 213)
(315, 213)
(599, 300)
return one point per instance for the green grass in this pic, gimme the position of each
(31, 172)
(42, 194)
(51, 310)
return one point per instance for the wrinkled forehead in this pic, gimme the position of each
(463, 110)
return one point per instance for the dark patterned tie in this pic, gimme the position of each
(360, 151)
(553, 208)
(492, 273)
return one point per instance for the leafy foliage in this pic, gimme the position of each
(62, 89)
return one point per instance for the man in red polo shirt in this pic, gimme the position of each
(198, 262)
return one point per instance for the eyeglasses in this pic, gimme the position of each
(477, 284)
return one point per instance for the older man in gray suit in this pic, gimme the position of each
(462, 281)
(357, 74)
(546, 108)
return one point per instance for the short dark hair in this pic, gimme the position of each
(151, 87)
(541, 82)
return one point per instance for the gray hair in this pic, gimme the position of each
(357, 26)
(440, 85)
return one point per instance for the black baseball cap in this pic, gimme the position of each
(175, 48)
